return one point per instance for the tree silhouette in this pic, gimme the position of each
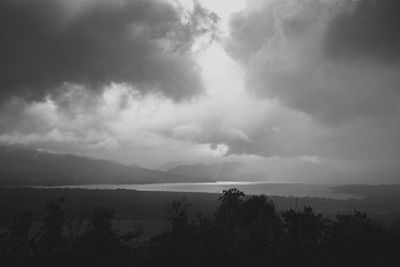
(304, 232)
(100, 245)
(18, 244)
(244, 231)
(52, 244)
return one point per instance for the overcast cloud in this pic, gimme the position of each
(148, 43)
(289, 81)
(329, 59)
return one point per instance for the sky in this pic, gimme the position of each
(305, 85)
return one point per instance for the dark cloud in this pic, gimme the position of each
(366, 29)
(147, 43)
(294, 51)
(253, 28)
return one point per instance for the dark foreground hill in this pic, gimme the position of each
(25, 167)
(239, 231)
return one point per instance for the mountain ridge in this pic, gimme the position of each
(21, 166)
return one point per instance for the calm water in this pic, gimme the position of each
(256, 188)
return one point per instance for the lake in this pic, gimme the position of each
(250, 188)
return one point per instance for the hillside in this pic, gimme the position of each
(262, 170)
(225, 171)
(23, 166)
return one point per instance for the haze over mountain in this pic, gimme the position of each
(24, 166)
(260, 170)
(225, 171)
(169, 165)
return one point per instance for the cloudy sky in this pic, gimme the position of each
(277, 83)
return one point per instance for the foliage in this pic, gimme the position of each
(244, 231)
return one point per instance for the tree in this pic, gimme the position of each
(231, 207)
(18, 247)
(52, 229)
(304, 232)
(53, 245)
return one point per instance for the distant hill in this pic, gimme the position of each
(169, 165)
(259, 170)
(225, 171)
(23, 166)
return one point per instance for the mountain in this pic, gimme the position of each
(169, 165)
(24, 167)
(225, 171)
(262, 170)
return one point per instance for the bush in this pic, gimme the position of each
(244, 231)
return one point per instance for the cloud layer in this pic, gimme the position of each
(325, 58)
(310, 83)
(367, 30)
(146, 43)
(335, 62)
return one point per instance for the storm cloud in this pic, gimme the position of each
(146, 43)
(368, 30)
(328, 59)
(294, 82)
